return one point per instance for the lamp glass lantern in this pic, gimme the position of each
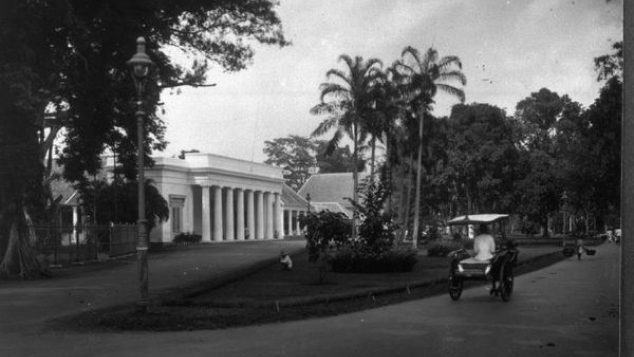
(140, 64)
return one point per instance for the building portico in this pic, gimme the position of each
(221, 198)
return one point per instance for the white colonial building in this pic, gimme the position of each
(223, 199)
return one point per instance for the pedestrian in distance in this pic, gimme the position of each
(580, 248)
(285, 261)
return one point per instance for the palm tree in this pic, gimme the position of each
(390, 107)
(346, 99)
(424, 77)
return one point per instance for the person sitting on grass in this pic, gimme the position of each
(285, 261)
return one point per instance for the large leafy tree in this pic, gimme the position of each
(481, 157)
(340, 160)
(28, 76)
(295, 155)
(72, 54)
(540, 184)
(590, 145)
(605, 117)
(346, 99)
(115, 201)
(424, 76)
(97, 83)
(300, 157)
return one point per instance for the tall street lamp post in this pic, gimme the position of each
(140, 64)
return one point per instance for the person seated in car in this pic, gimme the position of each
(484, 249)
(483, 244)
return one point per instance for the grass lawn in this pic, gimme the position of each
(272, 295)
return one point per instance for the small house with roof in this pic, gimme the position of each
(70, 213)
(328, 192)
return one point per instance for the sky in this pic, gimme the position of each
(508, 48)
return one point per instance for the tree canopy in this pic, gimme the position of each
(295, 155)
(70, 56)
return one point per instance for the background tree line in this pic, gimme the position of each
(552, 154)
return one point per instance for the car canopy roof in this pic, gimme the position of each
(477, 219)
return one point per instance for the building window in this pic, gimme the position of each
(176, 213)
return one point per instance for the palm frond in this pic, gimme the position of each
(412, 52)
(330, 108)
(456, 92)
(449, 61)
(348, 60)
(339, 74)
(333, 89)
(453, 76)
(430, 59)
(325, 126)
(369, 64)
(333, 144)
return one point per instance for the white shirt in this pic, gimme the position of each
(286, 260)
(484, 247)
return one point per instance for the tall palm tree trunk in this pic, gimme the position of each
(419, 169)
(388, 164)
(372, 167)
(405, 198)
(355, 179)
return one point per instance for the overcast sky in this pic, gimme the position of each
(508, 48)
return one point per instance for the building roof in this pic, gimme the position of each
(477, 218)
(290, 199)
(332, 207)
(61, 187)
(330, 188)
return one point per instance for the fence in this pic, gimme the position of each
(64, 245)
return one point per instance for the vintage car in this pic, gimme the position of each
(499, 269)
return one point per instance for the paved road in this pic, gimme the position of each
(565, 310)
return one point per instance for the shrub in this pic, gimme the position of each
(376, 231)
(350, 261)
(187, 238)
(433, 233)
(442, 248)
(324, 231)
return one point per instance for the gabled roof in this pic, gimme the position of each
(477, 218)
(330, 188)
(290, 199)
(61, 187)
(332, 207)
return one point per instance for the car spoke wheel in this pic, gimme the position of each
(455, 288)
(506, 283)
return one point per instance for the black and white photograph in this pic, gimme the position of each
(316, 178)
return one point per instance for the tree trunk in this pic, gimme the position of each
(17, 257)
(388, 163)
(404, 200)
(372, 163)
(418, 179)
(355, 180)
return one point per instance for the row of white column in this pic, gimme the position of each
(291, 217)
(263, 214)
